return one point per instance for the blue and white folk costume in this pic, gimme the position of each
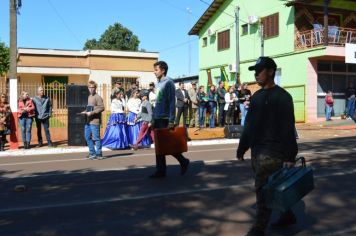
(133, 107)
(116, 133)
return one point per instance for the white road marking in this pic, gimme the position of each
(120, 199)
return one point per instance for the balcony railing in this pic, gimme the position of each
(337, 36)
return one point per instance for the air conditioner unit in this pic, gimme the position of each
(211, 32)
(252, 19)
(232, 68)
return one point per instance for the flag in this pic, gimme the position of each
(210, 82)
(224, 77)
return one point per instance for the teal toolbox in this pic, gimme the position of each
(287, 186)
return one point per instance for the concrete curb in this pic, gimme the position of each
(71, 149)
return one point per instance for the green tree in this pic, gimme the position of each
(116, 37)
(4, 59)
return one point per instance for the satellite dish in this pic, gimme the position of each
(252, 19)
(211, 31)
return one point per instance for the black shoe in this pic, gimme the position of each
(240, 158)
(184, 167)
(285, 220)
(50, 144)
(189, 139)
(158, 175)
(255, 232)
(40, 144)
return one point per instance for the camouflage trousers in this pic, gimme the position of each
(264, 163)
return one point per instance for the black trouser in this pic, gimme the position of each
(161, 165)
(181, 110)
(2, 139)
(221, 114)
(230, 115)
(45, 123)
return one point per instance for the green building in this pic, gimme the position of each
(306, 38)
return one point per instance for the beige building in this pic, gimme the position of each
(77, 67)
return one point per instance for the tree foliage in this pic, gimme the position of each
(116, 37)
(4, 59)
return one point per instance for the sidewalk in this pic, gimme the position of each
(207, 136)
(72, 149)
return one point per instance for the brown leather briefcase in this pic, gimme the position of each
(170, 141)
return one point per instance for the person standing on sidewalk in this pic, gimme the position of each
(244, 95)
(164, 116)
(118, 88)
(193, 106)
(350, 100)
(152, 94)
(202, 100)
(43, 114)
(212, 101)
(221, 100)
(270, 133)
(5, 114)
(26, 112)
(182, 104)
(92, 128)
(329, 103)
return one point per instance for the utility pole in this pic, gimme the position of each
(237, 26)
(189, 45)
(14, 4)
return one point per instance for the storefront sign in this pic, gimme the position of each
(350, 53)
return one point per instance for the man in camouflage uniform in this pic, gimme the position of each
(270, 133)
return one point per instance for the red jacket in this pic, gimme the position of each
(28, 106)
(329, 100)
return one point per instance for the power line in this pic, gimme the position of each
(192, 40)
(178, 45)
(63, 21)
(223, 11)
(185, 10)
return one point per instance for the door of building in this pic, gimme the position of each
(334, 76)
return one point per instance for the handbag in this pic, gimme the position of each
(287, 186)
(170, 141)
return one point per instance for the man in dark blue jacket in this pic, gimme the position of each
(164, 114)
(43, 114)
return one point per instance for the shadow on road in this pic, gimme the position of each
(211, 199)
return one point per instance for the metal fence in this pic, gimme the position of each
(60, 112)
(57, 94)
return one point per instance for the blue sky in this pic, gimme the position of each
(161, 25)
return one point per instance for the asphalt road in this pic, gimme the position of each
(69, 195)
